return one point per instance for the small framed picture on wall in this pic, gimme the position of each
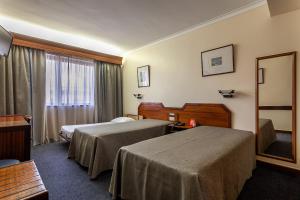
(143, 76)
(218, 61)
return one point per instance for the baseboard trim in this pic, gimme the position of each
(283, 131)
(278, 167)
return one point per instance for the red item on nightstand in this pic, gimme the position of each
(192, 122)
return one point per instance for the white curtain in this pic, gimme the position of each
(69, 93)
(70, 81)
(58, 116)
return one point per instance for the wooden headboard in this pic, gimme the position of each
(204, 114)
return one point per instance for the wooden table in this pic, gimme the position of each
(15, 134)
(22, 181)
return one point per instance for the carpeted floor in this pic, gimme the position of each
(64, 178)
(67, 180)
(282, 147)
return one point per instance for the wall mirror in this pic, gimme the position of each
(276, 106)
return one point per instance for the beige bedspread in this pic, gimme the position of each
(204, 163)
(266, 135)
(95, 147)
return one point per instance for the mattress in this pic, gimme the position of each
(95, 147)
(203, 163)
(68, 130)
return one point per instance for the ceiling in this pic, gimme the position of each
(278, 7)
(127, 24)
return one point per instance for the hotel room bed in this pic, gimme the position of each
(267, 134)
(204, 163)
(67, 131)
(95, 147)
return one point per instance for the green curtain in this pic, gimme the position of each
(38, 95)
(108, 91)
(15, 89)
(22, 87)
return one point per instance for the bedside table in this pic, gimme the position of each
(172, 128)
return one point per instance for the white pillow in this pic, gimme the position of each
(122, 119)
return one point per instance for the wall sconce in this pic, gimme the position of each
(138, 96)
(227, 93)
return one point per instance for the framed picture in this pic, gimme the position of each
(261, 76)
(217, 61)
(143, 76)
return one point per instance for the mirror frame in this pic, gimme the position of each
(294, 102)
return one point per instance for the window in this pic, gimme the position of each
(69, 81)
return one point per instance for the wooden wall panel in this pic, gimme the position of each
(53, 47)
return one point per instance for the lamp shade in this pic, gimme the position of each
(5, 41)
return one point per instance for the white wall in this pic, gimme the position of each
(277, 87)
(282, 119)
(176, 64)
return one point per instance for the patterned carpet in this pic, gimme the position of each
(67, 180)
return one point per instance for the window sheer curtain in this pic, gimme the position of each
(81, 92)
(69, 93)
(69, 81)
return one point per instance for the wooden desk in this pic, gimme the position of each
(22, 181)
(15, 134)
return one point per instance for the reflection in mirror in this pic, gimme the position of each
(276, 106)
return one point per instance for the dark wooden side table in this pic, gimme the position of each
(173, 128)
(22, 181)
(15, 134)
